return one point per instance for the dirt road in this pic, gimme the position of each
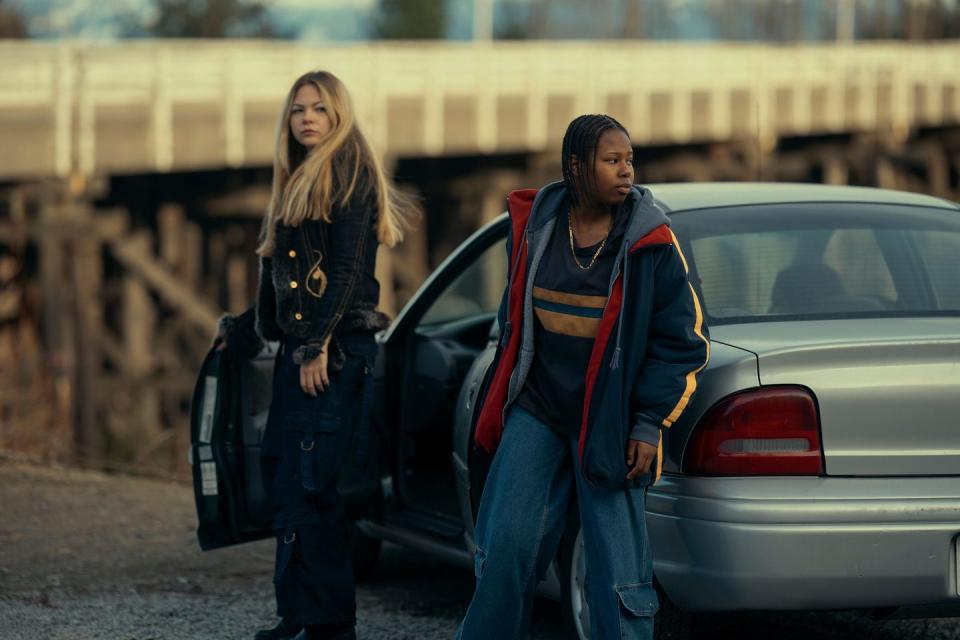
(86, 555)
(91, 555)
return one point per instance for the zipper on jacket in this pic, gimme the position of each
(615, 361)
(508, 325)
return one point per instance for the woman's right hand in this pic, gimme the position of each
(219, 342)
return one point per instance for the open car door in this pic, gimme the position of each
(228, 415)
(431, 347)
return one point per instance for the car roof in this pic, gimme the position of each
(701, 195)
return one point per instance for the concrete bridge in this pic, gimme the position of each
(159, 106)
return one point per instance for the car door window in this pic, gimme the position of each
(475, 291)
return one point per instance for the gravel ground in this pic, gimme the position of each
(87, 555)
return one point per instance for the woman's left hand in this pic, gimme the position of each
(313, 375)
(640, 456)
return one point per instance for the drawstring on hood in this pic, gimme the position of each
(615, 361)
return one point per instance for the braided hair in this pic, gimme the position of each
(581, 140)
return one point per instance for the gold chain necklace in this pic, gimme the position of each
(573, 252)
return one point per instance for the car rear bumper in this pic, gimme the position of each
(724, 544)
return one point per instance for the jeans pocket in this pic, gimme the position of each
(638, 606)
(318, 445)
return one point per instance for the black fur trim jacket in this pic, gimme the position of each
(319, 281)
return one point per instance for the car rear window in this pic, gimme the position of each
(825, 260)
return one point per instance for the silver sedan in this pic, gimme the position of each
(819, 464)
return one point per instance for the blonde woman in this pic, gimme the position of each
(331, 205)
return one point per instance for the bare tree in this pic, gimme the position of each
(410, 19)
(633, 19)
(211, 19)
(12, 24)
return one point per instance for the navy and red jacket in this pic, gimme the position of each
(651, 346)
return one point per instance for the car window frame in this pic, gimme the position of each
(440, 279)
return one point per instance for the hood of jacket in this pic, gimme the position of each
(646, 215)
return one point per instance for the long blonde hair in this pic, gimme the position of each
(309, 186)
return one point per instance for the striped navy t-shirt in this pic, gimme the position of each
(568, 304)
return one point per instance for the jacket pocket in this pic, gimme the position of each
(318, 444)
(638, 606)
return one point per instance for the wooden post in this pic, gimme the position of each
(938, 169)
(50, 245)
(388, 294)
(192, 255)
(170, 223)
(139, 332)
(56, 323)
(238, 296)
(217, 257)
(886, 173)
(835, 170)
(86, 283)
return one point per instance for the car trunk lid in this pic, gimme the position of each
(888, 390)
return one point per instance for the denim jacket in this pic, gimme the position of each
(319, 281)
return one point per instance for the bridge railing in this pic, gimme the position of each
(78, 108)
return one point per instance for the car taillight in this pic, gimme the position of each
(767, 431)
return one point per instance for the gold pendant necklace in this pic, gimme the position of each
(573, 252)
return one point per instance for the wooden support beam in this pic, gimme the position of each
(170, 221)
(142, 419)
(938, 169)
(139, 260)
(835, 170)
(192, 274)
(139, 312)
(87, 274)
(385, 276)
(237, 290)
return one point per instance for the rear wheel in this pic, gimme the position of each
(670, 623)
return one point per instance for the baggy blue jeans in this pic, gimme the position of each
(523, 513)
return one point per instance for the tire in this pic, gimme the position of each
(366, 553)
(671, 623)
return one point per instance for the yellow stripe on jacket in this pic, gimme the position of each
(691, 380)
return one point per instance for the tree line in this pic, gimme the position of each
(748, 20)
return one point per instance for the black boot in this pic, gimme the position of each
(312, 632)
(283, 631)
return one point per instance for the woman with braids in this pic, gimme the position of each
(601, 343)
(330, 206)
